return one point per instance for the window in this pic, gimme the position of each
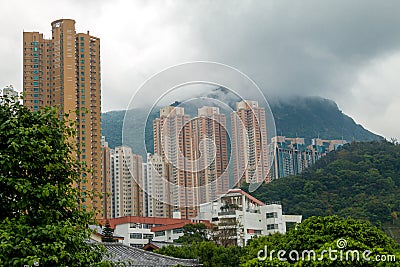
(147, 236)
(36, 78)
(271, 215)
(35, 66)
(257, 232)
(35, 49)
(177, 231)
(35, 72)
(135, 236)
(36, 83)
(160, 233)
(35, 95)
(272, 226)
(82, 61)
(36, 89)
(82, 55)
(82, 38)
(82, 50)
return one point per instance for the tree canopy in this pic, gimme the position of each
(314, 234)
(324, 233)
(195, 232)
(40, 220)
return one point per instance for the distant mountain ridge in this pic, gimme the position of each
(307, 117)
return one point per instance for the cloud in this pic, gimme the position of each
(289, 48)
(374, 98)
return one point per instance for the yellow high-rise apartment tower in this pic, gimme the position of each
(64, 71)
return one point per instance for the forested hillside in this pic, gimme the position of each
(360, 180)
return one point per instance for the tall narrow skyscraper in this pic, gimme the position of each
(64, 71)
(127, 192)
(156, 195)
(211, 148)
(249, 143)
(173, 141)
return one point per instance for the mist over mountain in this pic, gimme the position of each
(307, 117)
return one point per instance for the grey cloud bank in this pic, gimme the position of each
(348, 51)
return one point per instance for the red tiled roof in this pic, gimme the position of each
(240, 191)
(178, 225)
(147, 220)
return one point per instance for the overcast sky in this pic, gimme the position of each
(348, 51)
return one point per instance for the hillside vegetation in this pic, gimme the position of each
(360, 180)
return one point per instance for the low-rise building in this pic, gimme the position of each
(238, 217)
(139, 231)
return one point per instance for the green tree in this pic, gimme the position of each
(323, 233)
(40, 220)
(107, 233)
(208, 253)
(196, 232)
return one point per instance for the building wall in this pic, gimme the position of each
(249, 143)
(292, 156)
(106, 179)
(173, 141)
(211, 148)
(64, 72)
(127, 194)
(138, 231)
(249, 216)
(156, 175)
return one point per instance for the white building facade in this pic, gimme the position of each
(247, 215)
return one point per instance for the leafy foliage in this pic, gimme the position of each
(196, 232)
(361, 180)
(315, 233)
(323, 233)
(207, 252)
(39, 217)
(107, 233)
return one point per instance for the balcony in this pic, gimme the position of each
(228, 212)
